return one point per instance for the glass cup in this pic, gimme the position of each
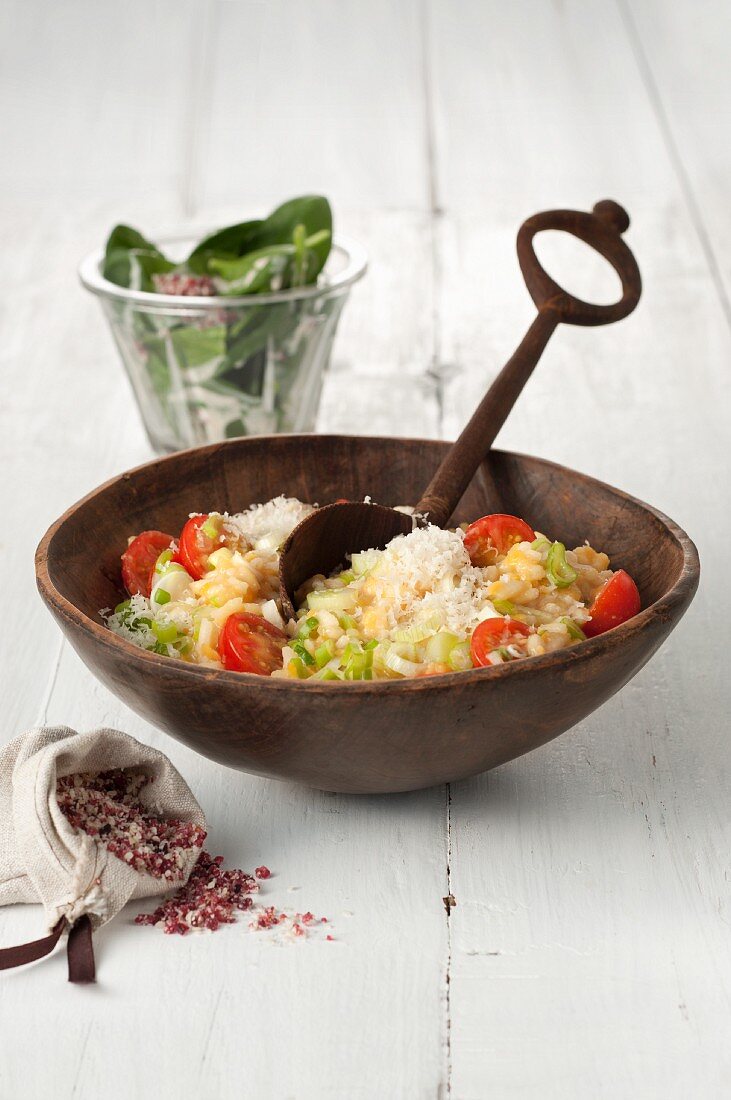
(205, 369)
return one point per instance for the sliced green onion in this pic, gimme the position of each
(161, 596)
(557, 568)
(371, 645)
(303, 653)
(165, 632)
(574, 630)
(460, 657)
(439, 647)
(347, 622)
(122, 607)
(324, 653)
(403, 649)
(333, 599)
(347, 576)
(540, 543)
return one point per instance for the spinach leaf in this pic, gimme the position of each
(311, 211)
(228, 243)
(125, 237)
(131, 260)
(134, 267)
(276, 267)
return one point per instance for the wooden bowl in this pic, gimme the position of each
(362, 737)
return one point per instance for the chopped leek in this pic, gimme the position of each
(401, 665)
(557, 568)
(460, 657)
(304, 654)
(574, 630)
(296, 667)
(306, 627)
(331, 599)
(325, 674)
(324, 653)
(419, 631)
(504, 607)
(212, 527)
(162, 561)
(161, 596)
(540, 543)
(347, 576)
(164, 632)
(439, 647)
(364, 562)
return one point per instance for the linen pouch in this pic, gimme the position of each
(43, 858)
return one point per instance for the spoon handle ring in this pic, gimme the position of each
(602, 230)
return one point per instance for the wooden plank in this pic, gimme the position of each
(589, 945)
(220, 1013)
(96, 99)
(312, 1021)
(682, 53)
(318, 97)
(236, 1010)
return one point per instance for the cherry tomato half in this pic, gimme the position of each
(491, 634)
(248, 643)
(617, 601)
(197, 545)
(138, 561)
(498, 532)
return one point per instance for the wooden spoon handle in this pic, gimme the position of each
(601, 229)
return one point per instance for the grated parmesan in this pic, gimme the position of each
(425, 574)
(266, 526)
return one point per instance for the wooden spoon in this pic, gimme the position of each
(322, 541)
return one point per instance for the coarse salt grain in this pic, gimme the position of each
(106, 806)
(211, 897)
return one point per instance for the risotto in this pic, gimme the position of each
(433, 601)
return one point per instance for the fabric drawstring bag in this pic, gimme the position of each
(44, 858)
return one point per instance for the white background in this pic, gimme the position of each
(588, 954)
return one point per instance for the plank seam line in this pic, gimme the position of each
(53, 679)
(199, 109)
(433, 374)
(448, 971)
(686, 187)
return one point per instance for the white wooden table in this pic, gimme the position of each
(589, 951)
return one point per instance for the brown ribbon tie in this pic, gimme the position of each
(79, 950)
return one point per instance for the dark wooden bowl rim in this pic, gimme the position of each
(661, 608)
